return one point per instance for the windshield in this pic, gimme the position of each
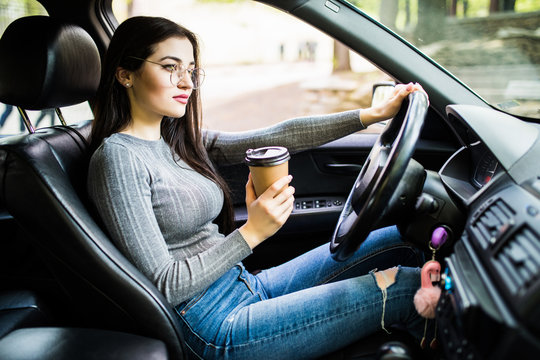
(493, 46)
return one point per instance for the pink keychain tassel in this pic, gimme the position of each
(427, 296)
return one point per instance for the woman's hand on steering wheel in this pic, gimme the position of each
(390, 107)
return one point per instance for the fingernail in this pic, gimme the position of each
(290, 177)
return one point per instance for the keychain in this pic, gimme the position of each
(427, 297)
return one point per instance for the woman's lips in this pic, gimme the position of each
(183, 99)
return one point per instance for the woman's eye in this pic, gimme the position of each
(170, 67)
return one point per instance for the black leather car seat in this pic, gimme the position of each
(47, 64)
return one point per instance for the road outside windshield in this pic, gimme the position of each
(493, 46)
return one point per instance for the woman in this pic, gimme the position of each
(152, 180)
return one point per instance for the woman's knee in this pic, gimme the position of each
(407, 281)
(386, 277)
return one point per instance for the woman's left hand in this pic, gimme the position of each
(389, 108)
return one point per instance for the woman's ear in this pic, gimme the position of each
(124, 77)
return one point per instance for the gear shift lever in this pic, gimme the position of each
(394, 350)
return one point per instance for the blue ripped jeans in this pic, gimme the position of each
(307, 307)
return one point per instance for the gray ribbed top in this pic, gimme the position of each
(160, 212)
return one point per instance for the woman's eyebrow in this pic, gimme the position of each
(175, 59)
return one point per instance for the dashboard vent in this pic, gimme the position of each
(518, 261)
(493, 222)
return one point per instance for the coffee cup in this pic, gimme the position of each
(267, 165)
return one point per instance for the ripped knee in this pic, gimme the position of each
(384, 280)
(386, 277)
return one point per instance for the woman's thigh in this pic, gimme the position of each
(382, 249)
(314, 321)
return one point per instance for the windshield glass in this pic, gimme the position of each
(493, 46)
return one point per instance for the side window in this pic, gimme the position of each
(257, 76)
(10, 120)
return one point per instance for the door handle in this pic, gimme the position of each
(344, 167)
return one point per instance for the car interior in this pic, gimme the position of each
(68, 293)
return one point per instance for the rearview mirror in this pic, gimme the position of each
(381, 92)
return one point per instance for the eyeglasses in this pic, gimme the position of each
(177, 73)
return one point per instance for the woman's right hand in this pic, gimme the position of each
(268, 212)
(390, 107)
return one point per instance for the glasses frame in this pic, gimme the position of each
(180, 70)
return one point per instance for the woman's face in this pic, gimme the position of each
(151, 93)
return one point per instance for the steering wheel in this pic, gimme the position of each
(381, 173)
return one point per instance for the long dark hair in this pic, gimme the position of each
(138, 37)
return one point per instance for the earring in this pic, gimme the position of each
(128, 85)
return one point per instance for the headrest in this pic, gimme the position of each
(47, 64)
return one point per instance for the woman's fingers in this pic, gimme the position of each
(278, 199)
(284, 195)
(402, 90)
(286, 207)
(418, 87)
(250, 191)
(405, 89)
(277, 187)
(283, 201)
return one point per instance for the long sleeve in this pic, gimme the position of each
(296, 134)
(158, 220)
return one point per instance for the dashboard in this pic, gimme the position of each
(486, 166)
(469, 170)
(491, 283)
